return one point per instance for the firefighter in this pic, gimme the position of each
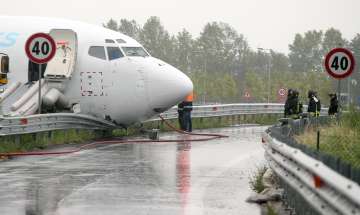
(181, 115)
(314, 106)
(295, 105)
(334, 104)
(187, 112)
(287, 103)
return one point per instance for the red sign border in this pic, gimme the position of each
(282, 88)
(247, 94)
(346, 52)
(52, 44)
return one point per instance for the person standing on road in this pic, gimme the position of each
(188, 106)
(334, 104)
(181, 115)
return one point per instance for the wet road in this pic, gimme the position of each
(168, 178)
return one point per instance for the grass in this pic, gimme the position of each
(28, 142)
(342, 140)
(270, 210)
(256, 179)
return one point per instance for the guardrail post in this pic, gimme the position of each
(17, 139)
(33, 135)
(50, 135)
(318, 140)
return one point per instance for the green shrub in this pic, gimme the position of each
(256, 182)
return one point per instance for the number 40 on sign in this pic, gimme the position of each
(339, 63)
(40, 48)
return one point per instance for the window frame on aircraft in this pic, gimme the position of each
(109, 41)
(99, 55)
(111, 56)
(120, 41)
(134, 50)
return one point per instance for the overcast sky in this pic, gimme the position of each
(265, 23)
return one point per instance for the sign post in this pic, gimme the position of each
(40, 48)
(339, 64)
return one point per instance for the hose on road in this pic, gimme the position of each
(205, 137)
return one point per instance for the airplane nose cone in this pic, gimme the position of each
(167, 87)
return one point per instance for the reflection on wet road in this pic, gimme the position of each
(168, 178)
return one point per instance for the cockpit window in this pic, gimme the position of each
(135, 51)
(114, 53)
(97, 51)
(120, 41)
(109, 41)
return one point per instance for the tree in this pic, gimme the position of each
(130, 28)
(157, 40)
(222, 46)
(184, 50)
(279, 62)
(355, 48)
(332, 39)
(111, 24)
(306, 52)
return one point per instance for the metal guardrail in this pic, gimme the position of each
(49, 122)
(56, 121)
(204, 111)
(326, 191)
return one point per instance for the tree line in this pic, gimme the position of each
(223, 66)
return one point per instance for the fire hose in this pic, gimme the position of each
(205, 137)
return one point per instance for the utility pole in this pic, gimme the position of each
(268, 72)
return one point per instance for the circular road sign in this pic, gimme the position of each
(339, 63)
(40, 48)
(282, 92)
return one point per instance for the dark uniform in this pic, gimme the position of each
(181, 115)
(287, 103)
(187, 116)
(184, 111)
(296, 105)
(293, 105)
(334, 104)
(314, 106)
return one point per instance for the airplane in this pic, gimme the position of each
(95, 71)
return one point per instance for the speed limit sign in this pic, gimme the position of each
(339, 63)
(40, 48)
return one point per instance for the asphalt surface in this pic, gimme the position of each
(157, 178)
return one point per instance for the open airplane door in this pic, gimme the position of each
(63, 64)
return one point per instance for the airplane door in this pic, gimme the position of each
(63, 64)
